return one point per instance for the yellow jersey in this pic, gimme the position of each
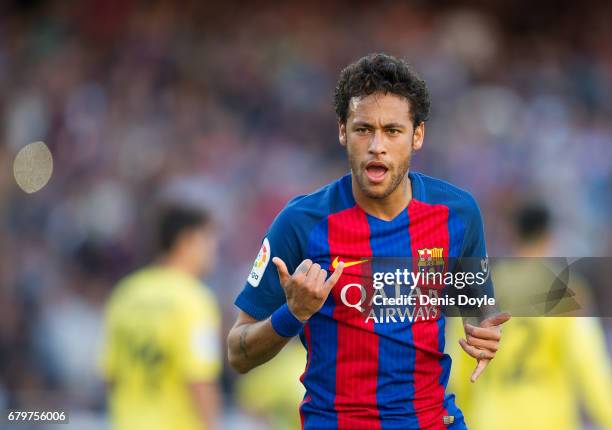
(545, 369)
(278, 403)
(162, 332)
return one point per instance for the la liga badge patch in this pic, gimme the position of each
(260, 264)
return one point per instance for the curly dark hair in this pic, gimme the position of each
(382, 73)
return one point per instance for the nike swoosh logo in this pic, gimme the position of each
(346, 263)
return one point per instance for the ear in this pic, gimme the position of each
(342, 133)
(418, 136)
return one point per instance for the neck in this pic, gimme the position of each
(534, 249)
(388, 207)
(177, 262)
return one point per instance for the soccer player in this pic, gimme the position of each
(364, 371)
(551, 365)
(162, 356)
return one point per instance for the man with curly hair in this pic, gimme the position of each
(369, 365)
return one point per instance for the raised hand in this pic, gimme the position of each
(307, 289)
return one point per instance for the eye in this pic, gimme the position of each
(361, 130)
(393, 131)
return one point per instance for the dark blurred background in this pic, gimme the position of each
(230, 105)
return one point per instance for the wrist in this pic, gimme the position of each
(298, 316)
(285, 322)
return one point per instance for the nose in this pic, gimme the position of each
(377, 143)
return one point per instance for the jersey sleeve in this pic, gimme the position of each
(262, 293)
(474, 259)
(474, 244)
(198, 341)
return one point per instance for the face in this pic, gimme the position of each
(380, 138)
(200, 245)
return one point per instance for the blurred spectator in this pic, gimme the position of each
(162, 353)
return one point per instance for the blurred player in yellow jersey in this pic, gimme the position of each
(162, 355)
(549, 366)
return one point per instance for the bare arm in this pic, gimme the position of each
(251, 342)
(205, 396)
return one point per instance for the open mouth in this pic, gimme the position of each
(376, 171)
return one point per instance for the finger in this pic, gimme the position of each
(495, 320)
(321, 278)
(490, 345)
(281, 267)
(482, 364)
(488, 333)
(313, 274)
(478, 354)
(329, 284)
(302, 270)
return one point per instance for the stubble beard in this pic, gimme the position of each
(397, 176)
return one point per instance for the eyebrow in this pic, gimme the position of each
(368, 125)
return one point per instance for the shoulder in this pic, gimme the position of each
(293, 229)
(438, 191)
(200, 294)
(198, 300)
(137, 277)
(125, 287)
(304, 212)
(317, 204)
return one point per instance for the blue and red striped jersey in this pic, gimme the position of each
(365, 370)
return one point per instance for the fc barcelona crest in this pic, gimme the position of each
(431, 260)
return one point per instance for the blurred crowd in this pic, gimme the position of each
(230, 106)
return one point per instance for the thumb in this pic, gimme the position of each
(495, 320)
(283, 272)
